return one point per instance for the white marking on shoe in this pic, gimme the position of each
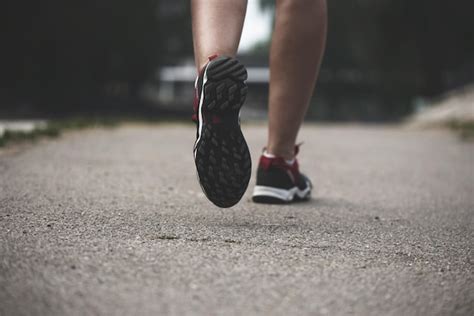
(201, 101)
(282, 194)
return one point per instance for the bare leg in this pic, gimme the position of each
(217, 27)
(297, 47)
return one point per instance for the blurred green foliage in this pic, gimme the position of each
(68, 53)
(22, 136)
(59, 56)
(411, 46)
(382, 54)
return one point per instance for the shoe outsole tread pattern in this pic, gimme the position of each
(222, 156)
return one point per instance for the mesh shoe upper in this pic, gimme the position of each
(280, 181)
(276, 172)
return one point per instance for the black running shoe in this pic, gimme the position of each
(279, 182)
(221, 154)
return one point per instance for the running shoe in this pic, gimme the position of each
(221, 154)
(279, 181)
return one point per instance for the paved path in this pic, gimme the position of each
(113, 222)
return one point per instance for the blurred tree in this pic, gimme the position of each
(58, 55)
(61, 54)
(393, 51)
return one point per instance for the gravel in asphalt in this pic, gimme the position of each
(113, 222)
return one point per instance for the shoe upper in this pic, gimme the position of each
(198, 89)
(277, 172)
(197, 93)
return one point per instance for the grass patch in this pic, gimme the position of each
(465, 130)
(54, 128)
(33, 135)
(81, 123)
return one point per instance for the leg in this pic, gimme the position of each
(296, 52)
(221, 154)
(217, 27)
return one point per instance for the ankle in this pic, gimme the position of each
(285, 153)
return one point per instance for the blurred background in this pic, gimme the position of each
(385, 59)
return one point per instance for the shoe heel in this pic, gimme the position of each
(225, 89)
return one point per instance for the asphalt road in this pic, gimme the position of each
(113, 222)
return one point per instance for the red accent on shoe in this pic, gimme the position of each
(196, 100)
(280, 162)
(210, 58)
(195, 105)
(196, 90)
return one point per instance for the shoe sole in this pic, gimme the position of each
(270, 195)
(221, 153)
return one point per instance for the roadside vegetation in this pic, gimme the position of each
(54, 128)
(465, 130)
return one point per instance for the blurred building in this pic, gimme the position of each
(176, 83)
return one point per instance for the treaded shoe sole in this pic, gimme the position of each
(221, 154)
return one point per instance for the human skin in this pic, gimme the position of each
(296, 52)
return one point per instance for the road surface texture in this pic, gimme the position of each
(113, 222)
